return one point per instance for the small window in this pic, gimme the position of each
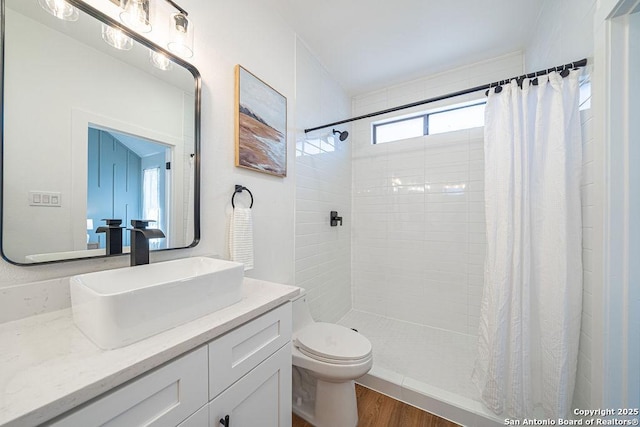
(585, 95)
(429, 123)
(151, 208)
(401, 129)
(151, 194)
(460, 118)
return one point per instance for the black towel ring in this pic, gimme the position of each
(240, 189)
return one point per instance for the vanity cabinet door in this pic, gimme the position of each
(260, 398)
(199, 419)
(163, 397)
(234, 354)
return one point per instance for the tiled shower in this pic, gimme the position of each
(417, 243)
(418, 238)
(414, 229)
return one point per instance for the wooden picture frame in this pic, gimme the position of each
(261, 125)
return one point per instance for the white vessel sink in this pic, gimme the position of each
(118, 307)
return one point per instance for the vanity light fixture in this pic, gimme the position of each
(60, 9)
(136, 14)
(116, 38)
(180, 33)
(160, 61)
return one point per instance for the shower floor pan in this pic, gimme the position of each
(426, 367)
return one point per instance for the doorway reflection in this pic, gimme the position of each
(127, 178)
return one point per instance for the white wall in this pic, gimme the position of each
(227, 33)
(247, 33)
(615, 348)
(564, 33)
(418, 208)
(323, 184)
(633, 385)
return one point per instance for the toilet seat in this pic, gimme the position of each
(331, 343)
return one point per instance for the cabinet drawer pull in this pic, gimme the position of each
(225, 421)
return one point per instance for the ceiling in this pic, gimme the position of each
(370, 44)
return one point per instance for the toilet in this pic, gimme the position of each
(327, 358)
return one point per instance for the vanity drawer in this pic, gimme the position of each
(239, 351)
(163, 397)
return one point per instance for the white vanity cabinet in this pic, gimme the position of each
(245, 374)
(199, 419)
(163, 397)
(260, 398)
(250, 373)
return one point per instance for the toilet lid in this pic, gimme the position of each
(334, 342)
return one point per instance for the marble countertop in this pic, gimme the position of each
(47, 366)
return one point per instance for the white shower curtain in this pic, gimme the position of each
(532, 300)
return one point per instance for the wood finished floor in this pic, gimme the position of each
(378, 410)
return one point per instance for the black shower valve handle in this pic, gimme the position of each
(225, 421)
(335, 219)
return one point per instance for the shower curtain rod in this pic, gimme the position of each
(576, 64)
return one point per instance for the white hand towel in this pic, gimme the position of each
(241, 237)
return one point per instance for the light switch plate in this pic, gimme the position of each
(50, 199)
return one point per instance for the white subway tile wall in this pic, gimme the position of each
(582, 393)
(418, 239)
(323, 184)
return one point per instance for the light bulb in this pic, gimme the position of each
(136, 15)
(181, 35)
(116, 38)
(160, 61)
(60, 9)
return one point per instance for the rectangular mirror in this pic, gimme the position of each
(92, 132)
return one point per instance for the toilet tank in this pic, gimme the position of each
(301, 314)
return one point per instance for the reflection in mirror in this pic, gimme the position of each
(90, 133)
(127, 179)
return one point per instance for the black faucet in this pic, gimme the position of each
(113, 234)
(140, 236)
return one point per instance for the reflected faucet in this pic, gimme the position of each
(140, 236)
(113, 235)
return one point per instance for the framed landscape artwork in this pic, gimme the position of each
(261, 125)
